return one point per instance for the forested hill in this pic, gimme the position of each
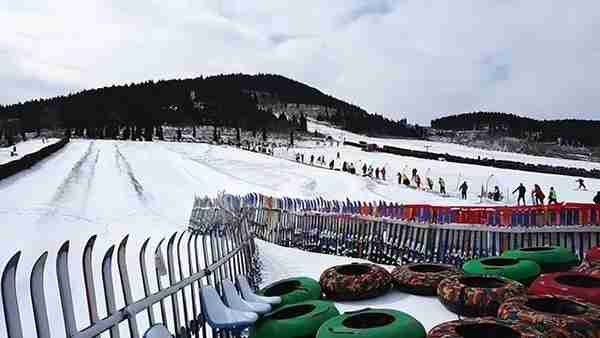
(235, 100)
(572, 131)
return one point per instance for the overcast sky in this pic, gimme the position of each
(414, 58)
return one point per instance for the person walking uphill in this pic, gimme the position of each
(463, 190)
(522, 190)
(538, 195)
(552, 198)
(442, 186)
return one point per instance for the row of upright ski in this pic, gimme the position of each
(396, 242)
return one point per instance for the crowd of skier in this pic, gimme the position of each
(415, 181)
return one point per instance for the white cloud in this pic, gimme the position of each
(413, 58)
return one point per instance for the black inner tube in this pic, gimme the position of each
(488, 330)
(368, 320)
(539, 248)
(579, 281)
(500, 261)
(424, 268)
(353, 269)
(482, 282)
(282, 288)
(292, 312)
(556, 305)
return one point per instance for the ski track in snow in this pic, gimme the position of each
(205, 161)
(309, 187)
(370, 186)
(75, 187)
(135, 184)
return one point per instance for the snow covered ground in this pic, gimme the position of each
(450, 148)
(24, 148)
(281, 262)
(114, 188)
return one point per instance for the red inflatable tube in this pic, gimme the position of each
(574, 284)
(592, 269)
(593, 255)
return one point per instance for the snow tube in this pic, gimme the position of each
(522, 271)
(550, 258)
(477, 295)
(367, 323)
(593, 255)
(555, 316)
(592, 269)
(575, 284)
(355, 281)
(484, 327)
(293, 290)
(301, 320)
(422, 279)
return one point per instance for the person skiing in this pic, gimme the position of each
(522, 190)
(331, 164)
(399, 177)
(338, 155)
(581, 184)
(597, 198)
(442, 186)
(312, 159)
(552, 199)
(496, 196)
(377, 173)
(364, 168)
(538, 195)
(345, 166)
(383, 173)
(414, 174)
(463, 190)
(418, 181)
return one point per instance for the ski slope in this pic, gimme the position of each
(450, 148)
(24, 148)
(146, 189)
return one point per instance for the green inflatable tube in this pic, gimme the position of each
(522, 271)
(300, 320)
(372, 323)
(293, 290)
(550, 259)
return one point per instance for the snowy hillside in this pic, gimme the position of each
(450, 148)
